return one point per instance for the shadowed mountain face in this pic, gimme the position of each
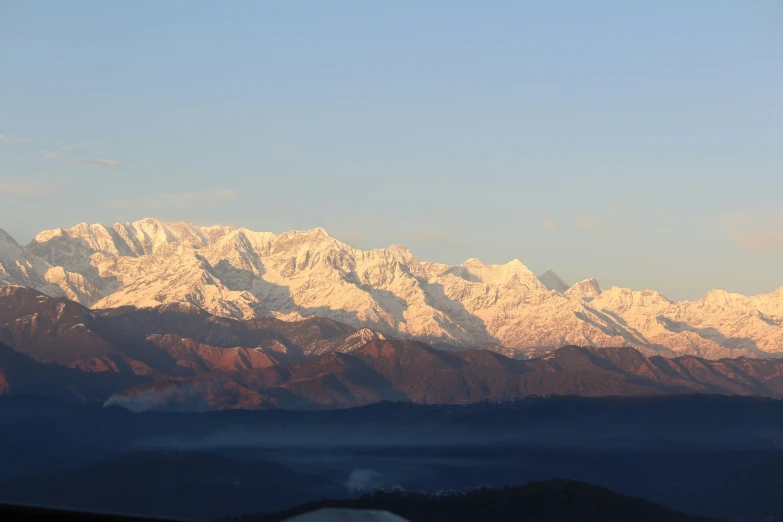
(176, 339)
(22, 375)
(179, 357)
(409, 370)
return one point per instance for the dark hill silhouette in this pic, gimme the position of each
(190, 486)
(546, 501)
(708, 455)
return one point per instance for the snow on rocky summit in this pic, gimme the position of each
(239, 273)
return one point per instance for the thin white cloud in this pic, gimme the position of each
(74, 147)
(94, 162)
(27, 188)
(760, 232)
(179, 200)
(10, 139)
(548, 224)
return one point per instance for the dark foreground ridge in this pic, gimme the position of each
(705, 455)
(546, 501)
(180, 358)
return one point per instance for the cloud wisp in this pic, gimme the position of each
(74, 147)
(28, 188)
(548, 224)
(175, 200)
(587, 222)
(760, 233)
(10, 139)
(93, 162)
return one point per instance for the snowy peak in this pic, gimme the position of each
(316, 234)
(10, 254)
(402, 253)
(586, 290)
(720, 300)
(17, 267)
(770, 304)
(300, 242)
(8, 245)
(434, 269)
(624, 299)
(553, 282)
(359, 339)
(511, 273)
(146, 236)
(243, 274)
(139, 238)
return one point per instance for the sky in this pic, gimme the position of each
(640, 143)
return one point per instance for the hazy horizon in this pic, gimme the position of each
(637, 144)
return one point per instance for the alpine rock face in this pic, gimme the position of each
(241, 274)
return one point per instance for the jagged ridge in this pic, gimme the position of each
(242, 274)
(410, 370)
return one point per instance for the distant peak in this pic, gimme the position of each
(314, 232)
(473, 262)
(552, 281)
(150, 222)
(401, 250)
(585, 289)
(46, 235)
(723, 298)
(518, 267)
(6, 236)
(591, 281)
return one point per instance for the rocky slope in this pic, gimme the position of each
(173, 339)
(22, 375)
(177, 356)
(410, 370)
(241, 274)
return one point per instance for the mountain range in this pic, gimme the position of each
(179, 357)
(245, 275)
(176, 339)
(392, 370)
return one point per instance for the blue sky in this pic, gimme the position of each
(640, 143)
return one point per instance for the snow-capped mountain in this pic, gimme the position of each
(239, 273)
